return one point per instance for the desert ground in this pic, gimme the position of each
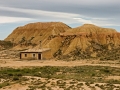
(31, 82)
(17, 63)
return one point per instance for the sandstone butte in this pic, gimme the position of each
(63, 39)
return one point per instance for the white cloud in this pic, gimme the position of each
(105, 21)
(6, 19)
(68, 18)
(40, 12)
(83, 21)
(65, 17)
(102, 19)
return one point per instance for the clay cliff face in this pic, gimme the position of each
(84, 42)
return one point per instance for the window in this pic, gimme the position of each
(25, 55)
(33, 55)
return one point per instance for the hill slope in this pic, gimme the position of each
(36, 32)
(84, 42)
(87, 41)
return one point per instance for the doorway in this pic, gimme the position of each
(20, 55)
(39, 56)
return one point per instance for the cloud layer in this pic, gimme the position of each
(98, 12)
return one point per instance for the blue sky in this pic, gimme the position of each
(14, 13)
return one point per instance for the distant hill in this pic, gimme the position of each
(84, 42)
(35, 32)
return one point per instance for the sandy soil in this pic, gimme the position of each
(16, 63)
(53, 84)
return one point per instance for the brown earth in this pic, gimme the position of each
(34, 32)
(17, 63)
(84, 42)
(34, 81)
(87, 41)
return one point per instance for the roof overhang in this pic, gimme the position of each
(36, 50)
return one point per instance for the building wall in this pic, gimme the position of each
(44, 55)
(47, 55)
(29, 56)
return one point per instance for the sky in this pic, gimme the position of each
(14, 13)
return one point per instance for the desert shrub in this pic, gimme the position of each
(102, 87)
(15, 78)
(10, 74)
(112, 81)
(4, 84)
(32, 88)
(106, 71)
(88, 84)
(79, 85)
(6, 44)
(97, 85)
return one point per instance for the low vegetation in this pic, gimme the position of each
(59, 76)
(94, 51)
(5, 45)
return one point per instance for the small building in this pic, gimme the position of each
(36, 54)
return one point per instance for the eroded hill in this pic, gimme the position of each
(33, 33)
(84, 42)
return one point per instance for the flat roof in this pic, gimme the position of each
(36, 50)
